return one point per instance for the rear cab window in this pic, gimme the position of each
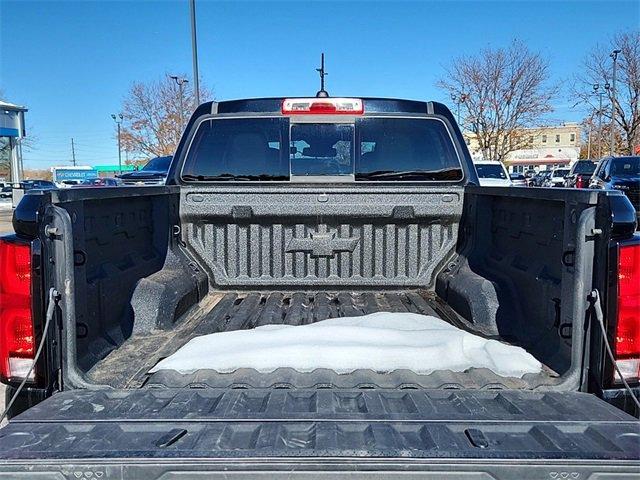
(316, 148)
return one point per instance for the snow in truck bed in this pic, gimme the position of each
(382, 342)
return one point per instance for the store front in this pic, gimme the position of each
(538, 159)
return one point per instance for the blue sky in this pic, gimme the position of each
(72, 63)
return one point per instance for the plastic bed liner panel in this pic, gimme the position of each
(149, 433)
(128, 365)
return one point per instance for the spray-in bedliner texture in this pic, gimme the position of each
(382, 342)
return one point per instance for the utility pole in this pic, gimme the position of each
(596, 87)
(589, 138)
(180, 81)
(322, 92)
(614, 56)
(194, 52)
(73, 153)
(118, 120)
(459, 100)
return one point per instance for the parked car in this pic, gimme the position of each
(37, 185)
(100, 182)
(6, 192)
(556, 177)
(544, 178)
(492, 174)
(529, 175)
(153, 173)
(580, 174)
(622, 174)
(537, 179)
(110, 282)
(518, 180)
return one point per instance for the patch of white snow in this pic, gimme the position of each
(382, 342)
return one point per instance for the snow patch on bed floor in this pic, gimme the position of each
(382, 342)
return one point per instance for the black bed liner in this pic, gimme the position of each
(227, 311)
(184, 428)
(129, 365)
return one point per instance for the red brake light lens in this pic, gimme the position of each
(322, 106)
(16, 323)
(627, 339)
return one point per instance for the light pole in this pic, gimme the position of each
(614, 56)
(596, 88)
(194, 53)
(589, 137)
(458, 101)
(180, 81)
(118, 120)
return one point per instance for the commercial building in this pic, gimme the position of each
(544, 147)
(12, 131)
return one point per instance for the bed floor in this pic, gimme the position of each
(226, 311)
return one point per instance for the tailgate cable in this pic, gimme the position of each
(595, 295)
(53, 298)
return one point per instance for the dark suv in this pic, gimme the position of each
(580, 174)
(619, 173)
(153, 173)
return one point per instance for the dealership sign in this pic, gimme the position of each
(11, 121)
(543, 156)
(73, 174)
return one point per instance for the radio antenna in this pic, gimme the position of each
(322, 92)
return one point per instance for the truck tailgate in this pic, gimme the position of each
(328, 433)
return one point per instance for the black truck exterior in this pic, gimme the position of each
(122, 277)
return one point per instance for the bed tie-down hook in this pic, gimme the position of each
(176, 231)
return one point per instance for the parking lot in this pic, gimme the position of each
(5, 217)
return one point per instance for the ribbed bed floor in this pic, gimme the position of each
(243, 311)
(128, 365)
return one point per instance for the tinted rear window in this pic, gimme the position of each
(405, 149)
(158, 164)
(370, 149)
(625, 167)
(321, 149)
(238, 149)
(584, 167)
(491, 171)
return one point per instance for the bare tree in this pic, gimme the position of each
(597, 68)
(596, 144)
(505, 90)
(155, 114)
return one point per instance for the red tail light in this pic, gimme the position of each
(579, 182)
(322, 106)
(627, 336)
(16, 323)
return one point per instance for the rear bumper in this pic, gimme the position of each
(27, 398)
(314, 469)
(621, 398)
(320, 433)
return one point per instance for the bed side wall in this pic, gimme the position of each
(521, 265)
(129, 275)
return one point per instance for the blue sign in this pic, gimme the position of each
(11, 123)
(76, 175)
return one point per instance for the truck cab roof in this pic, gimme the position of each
(371, 105)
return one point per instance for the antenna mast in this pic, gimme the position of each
(322, 92)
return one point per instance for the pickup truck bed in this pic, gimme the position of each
(223, 312)
(127, 366)
(141, 271)
(147, 433)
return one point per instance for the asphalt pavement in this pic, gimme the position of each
(5, 216)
